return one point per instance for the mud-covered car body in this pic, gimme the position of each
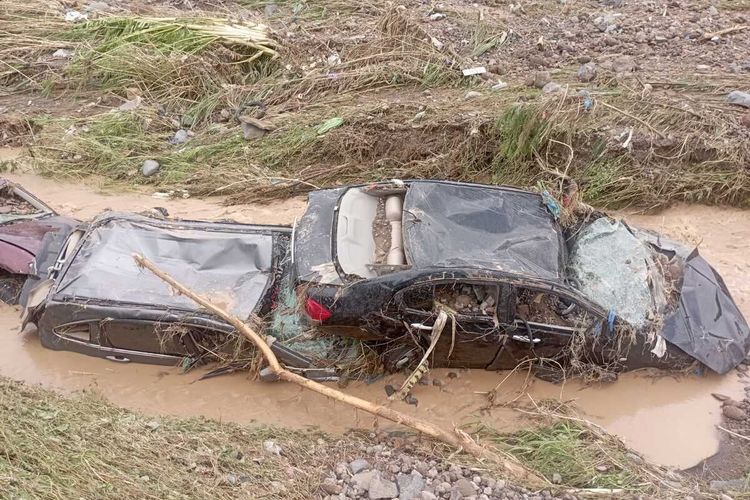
(463, 240)
(25, 221)
(96, 301)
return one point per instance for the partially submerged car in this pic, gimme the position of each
(24, 223)
(379, 264)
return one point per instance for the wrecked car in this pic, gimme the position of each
(25, 221)
(379, 262)
(477, 276)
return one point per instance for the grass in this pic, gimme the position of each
(82, 447)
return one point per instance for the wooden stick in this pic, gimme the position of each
(458, 438)
(726, 31)
(732, 433)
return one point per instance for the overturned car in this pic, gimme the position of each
(466, 275)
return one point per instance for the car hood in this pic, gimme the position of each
(460, 225)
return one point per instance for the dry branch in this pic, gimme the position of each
(457, 438)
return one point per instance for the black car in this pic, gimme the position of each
(374, 266)
(377, 262)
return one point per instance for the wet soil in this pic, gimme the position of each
(670, 419)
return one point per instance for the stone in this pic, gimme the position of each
(587, 72)
(381, 488)
(130, 105)
(500, 484)
(253, 128)
(734, 413)
(359, 465)
(540, 79)
(270, 9)
(150, 167)
(329, 486)
(62, 54)
(472, 94)
(362, 480)
(739, 98)
(180, 137)
(427, 495)
(464, 487)
(409, 486)
(551, 88)
(556, 478)
(713, 11)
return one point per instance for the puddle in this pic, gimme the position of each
(671, 420)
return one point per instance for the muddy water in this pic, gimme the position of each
(670, 420)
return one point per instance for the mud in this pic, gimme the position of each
(669, 419)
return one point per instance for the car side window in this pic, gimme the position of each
(465, 298)
(547, 308)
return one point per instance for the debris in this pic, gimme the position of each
(478, 70)
(63, 54)
(390, 390)
(252, 128)
(329, 124)
(150, 167)
(436, 43)
(73, 16)
(734, 485)
(728, 31)
(500, 86)
(131, 105)
(271, 448)
(720, 397)
(472, 94)
(411, 400)
(437, 16)
(587, 72)
(333, 59)
(556, 478)
(739, 98)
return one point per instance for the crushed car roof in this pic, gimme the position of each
(464, 225)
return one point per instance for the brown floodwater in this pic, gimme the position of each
(669, 419)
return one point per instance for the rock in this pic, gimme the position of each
(464, 487)
(359, 465)
(180, 137)
(382, 488)
(330, 487)
(587, 72)
(271, 448)
(702, 67)
(411, 400)
(551, 88)
(409, 486)
(253, 128)
(390, 390)
(745, 120)
(150, 167)
(437, 16)
(472, 94)
(426, 495)
(739, 98)
(556, 478)
(500, 484)
(362, 480)
(476, 480)
(737, 485)
(62, 54)
(713, 11)
(539, 79)
(734, 412)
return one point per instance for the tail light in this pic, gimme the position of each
(316, 310)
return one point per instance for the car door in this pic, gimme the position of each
(478, 308)
(543, 325)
